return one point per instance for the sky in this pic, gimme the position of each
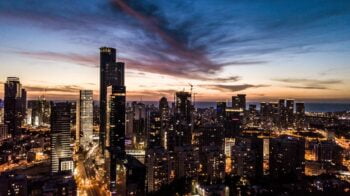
(265, 49)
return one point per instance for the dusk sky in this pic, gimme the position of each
(266, 49)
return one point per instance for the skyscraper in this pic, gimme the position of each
(233, 122)
(239, 102)
(282, 119)
(220, 111)
(154, 133)
(1, 111)
(61, 153)
(300, 115)
(212, 160)
(116, 120)
(157, 164)
(165, 120)
(107, 77)
(290, 112)
(247, 157)
(183, 116)
(40, 111)
(112, 115)
(287, 156)
(85, 118)
(14, 105)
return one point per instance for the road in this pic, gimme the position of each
(86, 178)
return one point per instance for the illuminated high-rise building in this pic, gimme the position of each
(290, 112)
(211, 134)
(252, 117)
(233, 122)
(14, 105)
(239, 102)
(140, 125)
(40, 115)
(154, 133)
(85, 118)
(182, 134)
(300, 115)
(1, 111)
(247, 157)
(286, 156)
(186, 162)
(163, 105)
(3, 132)
(112, 117)
(111, 73)
(212, 164)
(165, 120)
(157, 167)
(220, 111)
(282, 112)
(61, 152)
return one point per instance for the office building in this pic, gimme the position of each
(211, 134)
(300, 115)
(287, 156)
(282, 114)
(84, 118)
(1, 111)
(140, 125)
(290, 112)
(112, 118)
(154, 133)
(129, 125)
(186, 162)
(182, 134)
(328, 151)
(14, 105)
(111, 74)
(115, 134)
(157, 166)
(252, 117)
(40, 115)
(247, 157)
(3, 132)
(220, 111)
(165, 120)
(61, 152)
(233, 122)
(239, 102)
(212, 164)
(135, 176)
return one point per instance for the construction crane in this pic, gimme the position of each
(192, 99)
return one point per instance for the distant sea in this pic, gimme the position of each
(309, 107)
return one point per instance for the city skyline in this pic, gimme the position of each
(260, 49)
(114, 148)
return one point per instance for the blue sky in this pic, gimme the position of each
(267, 49)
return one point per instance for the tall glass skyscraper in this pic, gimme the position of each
(112, 113)
(61, 153)
(14, 104)
(85, 118)
(107, 58)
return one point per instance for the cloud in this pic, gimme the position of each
(309, 87)
(165, 68)
(85, 60)
(308, 81)
(147, 95)
(232, 88)
(228, 79)
(67, 89)
(310, 84)
(186, 39)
